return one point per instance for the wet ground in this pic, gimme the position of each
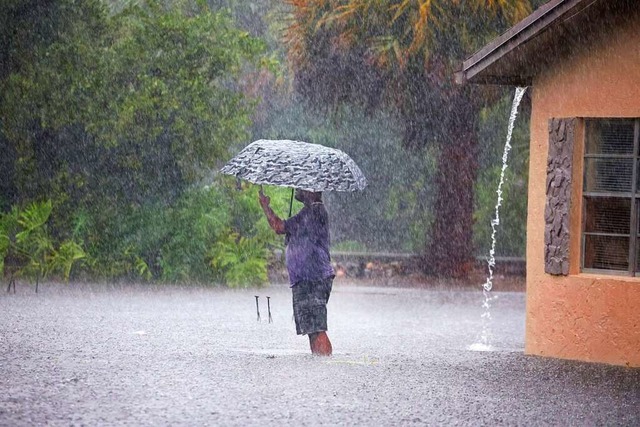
(135, 355)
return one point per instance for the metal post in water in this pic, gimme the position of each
(257, 307)
(269, 309)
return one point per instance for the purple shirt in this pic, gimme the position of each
(307, 237)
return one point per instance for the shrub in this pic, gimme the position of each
(25, 238)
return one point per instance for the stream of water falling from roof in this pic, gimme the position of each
(485, 335)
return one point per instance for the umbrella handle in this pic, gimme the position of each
(291, 203)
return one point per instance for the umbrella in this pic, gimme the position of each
(296, 164)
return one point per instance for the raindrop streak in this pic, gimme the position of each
(485, 336)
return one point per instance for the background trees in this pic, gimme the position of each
(115, 115)
(120, 115)
(132, 107)
(402, 54)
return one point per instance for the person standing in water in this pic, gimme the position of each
(309, 265)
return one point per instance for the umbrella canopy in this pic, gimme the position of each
(296, 164)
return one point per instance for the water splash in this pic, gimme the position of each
(480, 347)
(485, 335)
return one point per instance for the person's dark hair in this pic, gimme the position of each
(315, 196)
(306, 196)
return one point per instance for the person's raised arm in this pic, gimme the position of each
(276, 223)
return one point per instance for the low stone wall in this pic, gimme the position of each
(376, 265)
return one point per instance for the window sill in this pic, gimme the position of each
(606, 275)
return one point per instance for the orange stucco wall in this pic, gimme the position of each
(581, 316)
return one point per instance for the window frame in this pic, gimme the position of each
(633, 269)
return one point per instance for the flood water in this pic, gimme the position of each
(142, 355)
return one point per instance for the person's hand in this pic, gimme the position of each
(264, 199)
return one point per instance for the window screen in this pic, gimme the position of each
(611, 184)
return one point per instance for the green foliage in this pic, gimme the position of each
(138, 265)
(177, 243)
(33, 242)
(32, 220)
(241, 255)
(197, 222)
(63, 259)
(119, 110)
(205, 219)
(215, 233)
(25, 238)
(129, 107)
(194, 224)
(175, 70)
(242, 260)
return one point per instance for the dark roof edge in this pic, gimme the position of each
(523, 81)
(520, 33)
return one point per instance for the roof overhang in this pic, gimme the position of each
(516, 56)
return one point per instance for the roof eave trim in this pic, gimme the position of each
(520, 33)
(522, 81)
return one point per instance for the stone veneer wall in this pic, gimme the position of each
(556, 213)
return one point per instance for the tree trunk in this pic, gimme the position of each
(450, 251)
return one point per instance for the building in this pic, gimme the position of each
(581, 62)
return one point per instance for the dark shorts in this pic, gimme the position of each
(310, 305)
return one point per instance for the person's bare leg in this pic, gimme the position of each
(320, 344)
(312, 340)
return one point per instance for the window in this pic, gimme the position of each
(611, 191)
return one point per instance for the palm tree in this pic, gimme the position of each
(403, 54)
